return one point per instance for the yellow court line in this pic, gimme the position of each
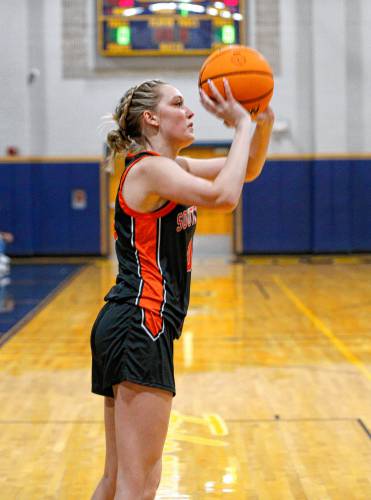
(340, 346)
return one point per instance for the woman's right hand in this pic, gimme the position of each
(229, 110)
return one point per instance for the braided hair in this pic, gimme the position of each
(128, 113)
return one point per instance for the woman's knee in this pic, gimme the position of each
(106, 488)
(110, 468)
(110, 477)
(153, 481)
(141, 479)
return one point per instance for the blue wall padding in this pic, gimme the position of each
(361, 205)
(22, 208)
(35, 205)
(16, 206)
(84, 232)
(294, 206)
(315, 206)
(276, 209)
(51, 200)
(6, 209)
(332, 206)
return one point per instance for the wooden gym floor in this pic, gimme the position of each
(273, 386)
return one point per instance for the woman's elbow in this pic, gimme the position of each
(226, 203)
(224, 199)
(254, 170)
(252, 177)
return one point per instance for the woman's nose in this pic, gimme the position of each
(190, 113)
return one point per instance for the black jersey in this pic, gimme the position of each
(154, 252)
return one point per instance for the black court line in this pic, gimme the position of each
(261, 289)
(7, 336)
(298, 419)
(364, 427)
(277, 418)
(232, 421)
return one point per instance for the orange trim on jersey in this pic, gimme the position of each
(152, 295)
(167, 208)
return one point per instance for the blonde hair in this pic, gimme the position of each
(128, 113)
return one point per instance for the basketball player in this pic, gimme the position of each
(155, 217)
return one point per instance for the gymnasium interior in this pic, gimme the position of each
(273, 367)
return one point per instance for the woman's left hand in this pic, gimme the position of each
(264, 119)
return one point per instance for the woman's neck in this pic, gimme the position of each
(162, 148)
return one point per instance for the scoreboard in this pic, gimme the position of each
(176, 28)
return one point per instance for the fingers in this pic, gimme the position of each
(228, 91)
(211, 106)
(218, 97)
(266, 115)
(207, 102)
(265, 119)
(226, 108)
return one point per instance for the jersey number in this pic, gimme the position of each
(189, 255)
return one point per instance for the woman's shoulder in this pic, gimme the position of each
(149, 159)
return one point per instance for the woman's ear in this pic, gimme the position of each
(150, 118)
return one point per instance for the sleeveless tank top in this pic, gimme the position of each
(154, 252)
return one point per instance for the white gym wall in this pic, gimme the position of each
(54, 88)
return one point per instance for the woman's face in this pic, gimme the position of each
(175, 118)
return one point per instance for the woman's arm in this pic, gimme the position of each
(166, 179)
(206, 168)
(209, 169)
(259, 144)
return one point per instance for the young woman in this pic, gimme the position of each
(155, 217)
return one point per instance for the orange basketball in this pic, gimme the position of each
(248, 72)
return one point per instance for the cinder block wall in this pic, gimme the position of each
(319, 51)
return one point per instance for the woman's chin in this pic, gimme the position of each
(190, 137)
(188, 141)
(185, 141)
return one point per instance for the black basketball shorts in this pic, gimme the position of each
(122, 350)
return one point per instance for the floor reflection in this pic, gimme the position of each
(6, 300)
(264, 396)
(24, 287)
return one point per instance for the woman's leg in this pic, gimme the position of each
(153, 481)
(107, 485)
(141, 418)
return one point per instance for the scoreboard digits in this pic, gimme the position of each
(148, 28)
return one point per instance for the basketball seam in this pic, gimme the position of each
(211, 59)
(223, 50)
(257, 98)
(236, 73)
